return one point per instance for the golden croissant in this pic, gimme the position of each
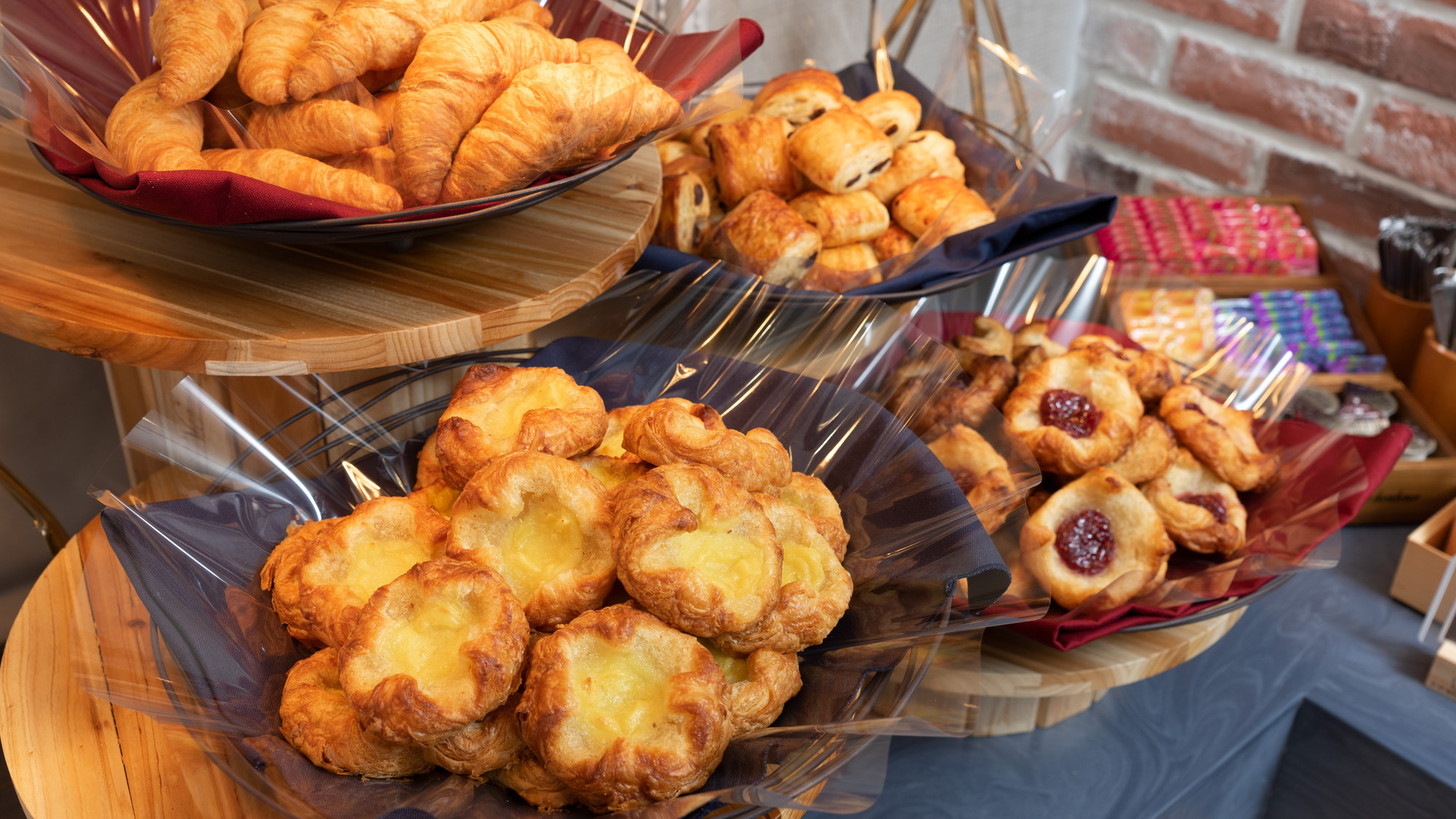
(307, 176)
(366, 35)
(458, 71)
(273, 42)
(551, 116)
(195, 42)
(318, 127)
(146, 133)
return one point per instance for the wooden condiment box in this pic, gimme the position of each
(1427, 551)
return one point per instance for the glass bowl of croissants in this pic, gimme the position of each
(566, 592)
(346, 117)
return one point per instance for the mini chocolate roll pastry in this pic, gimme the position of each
(895, 241)
(844, 268)
(843, 219)
(895, 113)
(767, 238)
(908, 164)
(670, 149)
(698, 136)
(801, 96)
(699, 166)
(942, 149)
(841, 151)
(942, 200)
(751, 154)
(682, 223)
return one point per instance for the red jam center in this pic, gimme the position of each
(1085, 542)
(1070, 412)
(1214, 503)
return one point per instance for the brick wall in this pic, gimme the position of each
(1348, 104)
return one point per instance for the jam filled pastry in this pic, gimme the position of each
(985, 383)
(1152, 374)
(666, 432)
(377, 542)
(624, 709)
(544, 524)
(989, 337)
(1150, 453)
(696, 550)
(1096, 541)
(1075, 411)
(316, 718)
(758, 686)
(435, 650)
(1201, 513)
(814, 595)
(980, 471)
(1221, 437)
(495, 410)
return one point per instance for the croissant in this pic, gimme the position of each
(195, 41)
(365, 35)
(530, 11)
(273, 42)
(307, 176)
(554, 115)
(146, 133)
(458, 71)
(376, 163)
(318, 127)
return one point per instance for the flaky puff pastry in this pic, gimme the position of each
(845, 219)
(436, 649)
(980, 471)
(666, 433)
(146, 133)
(800, 96)
(1032, 344)
(1152, 374)
(280, 577)
(1149, 455)
(482, 747)
(494, 410)
(1222, 438)
(840, 152)
(808, 494)
(895, 241)
(896, 113)
(1200, 512)
(530, 780)
(940, 204)
(814, 595)
(984, 384)
(1075, 411)
(1098, 536)
(625, 709)
(758, 686)
(841, 269)
(316, 718)
(752, 154)
(987, 337)
(682, 220)
(765, 237)
(611, 472)
(545, 526)
(696, 550)
(617, 419)
(377, 542)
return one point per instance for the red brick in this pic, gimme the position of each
(1214, 153)
(1256, 89)
(1126, 45)
(1353, 203)
(1257, 17)
(1414, 142)
(1095, 171)
(1350, 32)
(1423, 55)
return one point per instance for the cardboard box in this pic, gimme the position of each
(1423, 562)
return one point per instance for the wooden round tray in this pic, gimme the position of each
(1023, 685)
(85, 278)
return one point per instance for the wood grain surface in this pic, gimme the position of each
(84, 278)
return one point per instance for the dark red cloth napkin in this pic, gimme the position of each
(72, 47)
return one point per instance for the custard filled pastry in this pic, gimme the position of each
(808, 494)
(696, 550)
(482, 747)
(941, 204)
(544, 525)
(495, 410)
(377, 542)
(1097, 537)
(814, 595)
(758, 686)
(980, 471)
(664, 432)
(618, 417)
(1149, 455)
(316, 718)
(895, 113)
(752, 154)
(280, 578)
(530, 780)
(436, 649)
(1222, 438)
(765, 237)
(1075, 411)
(624, 709)
(611, 472)
(1200, 512)
(840, 152)
(800, 96)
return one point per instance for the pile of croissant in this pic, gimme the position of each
(379, 104)
(806, 187)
